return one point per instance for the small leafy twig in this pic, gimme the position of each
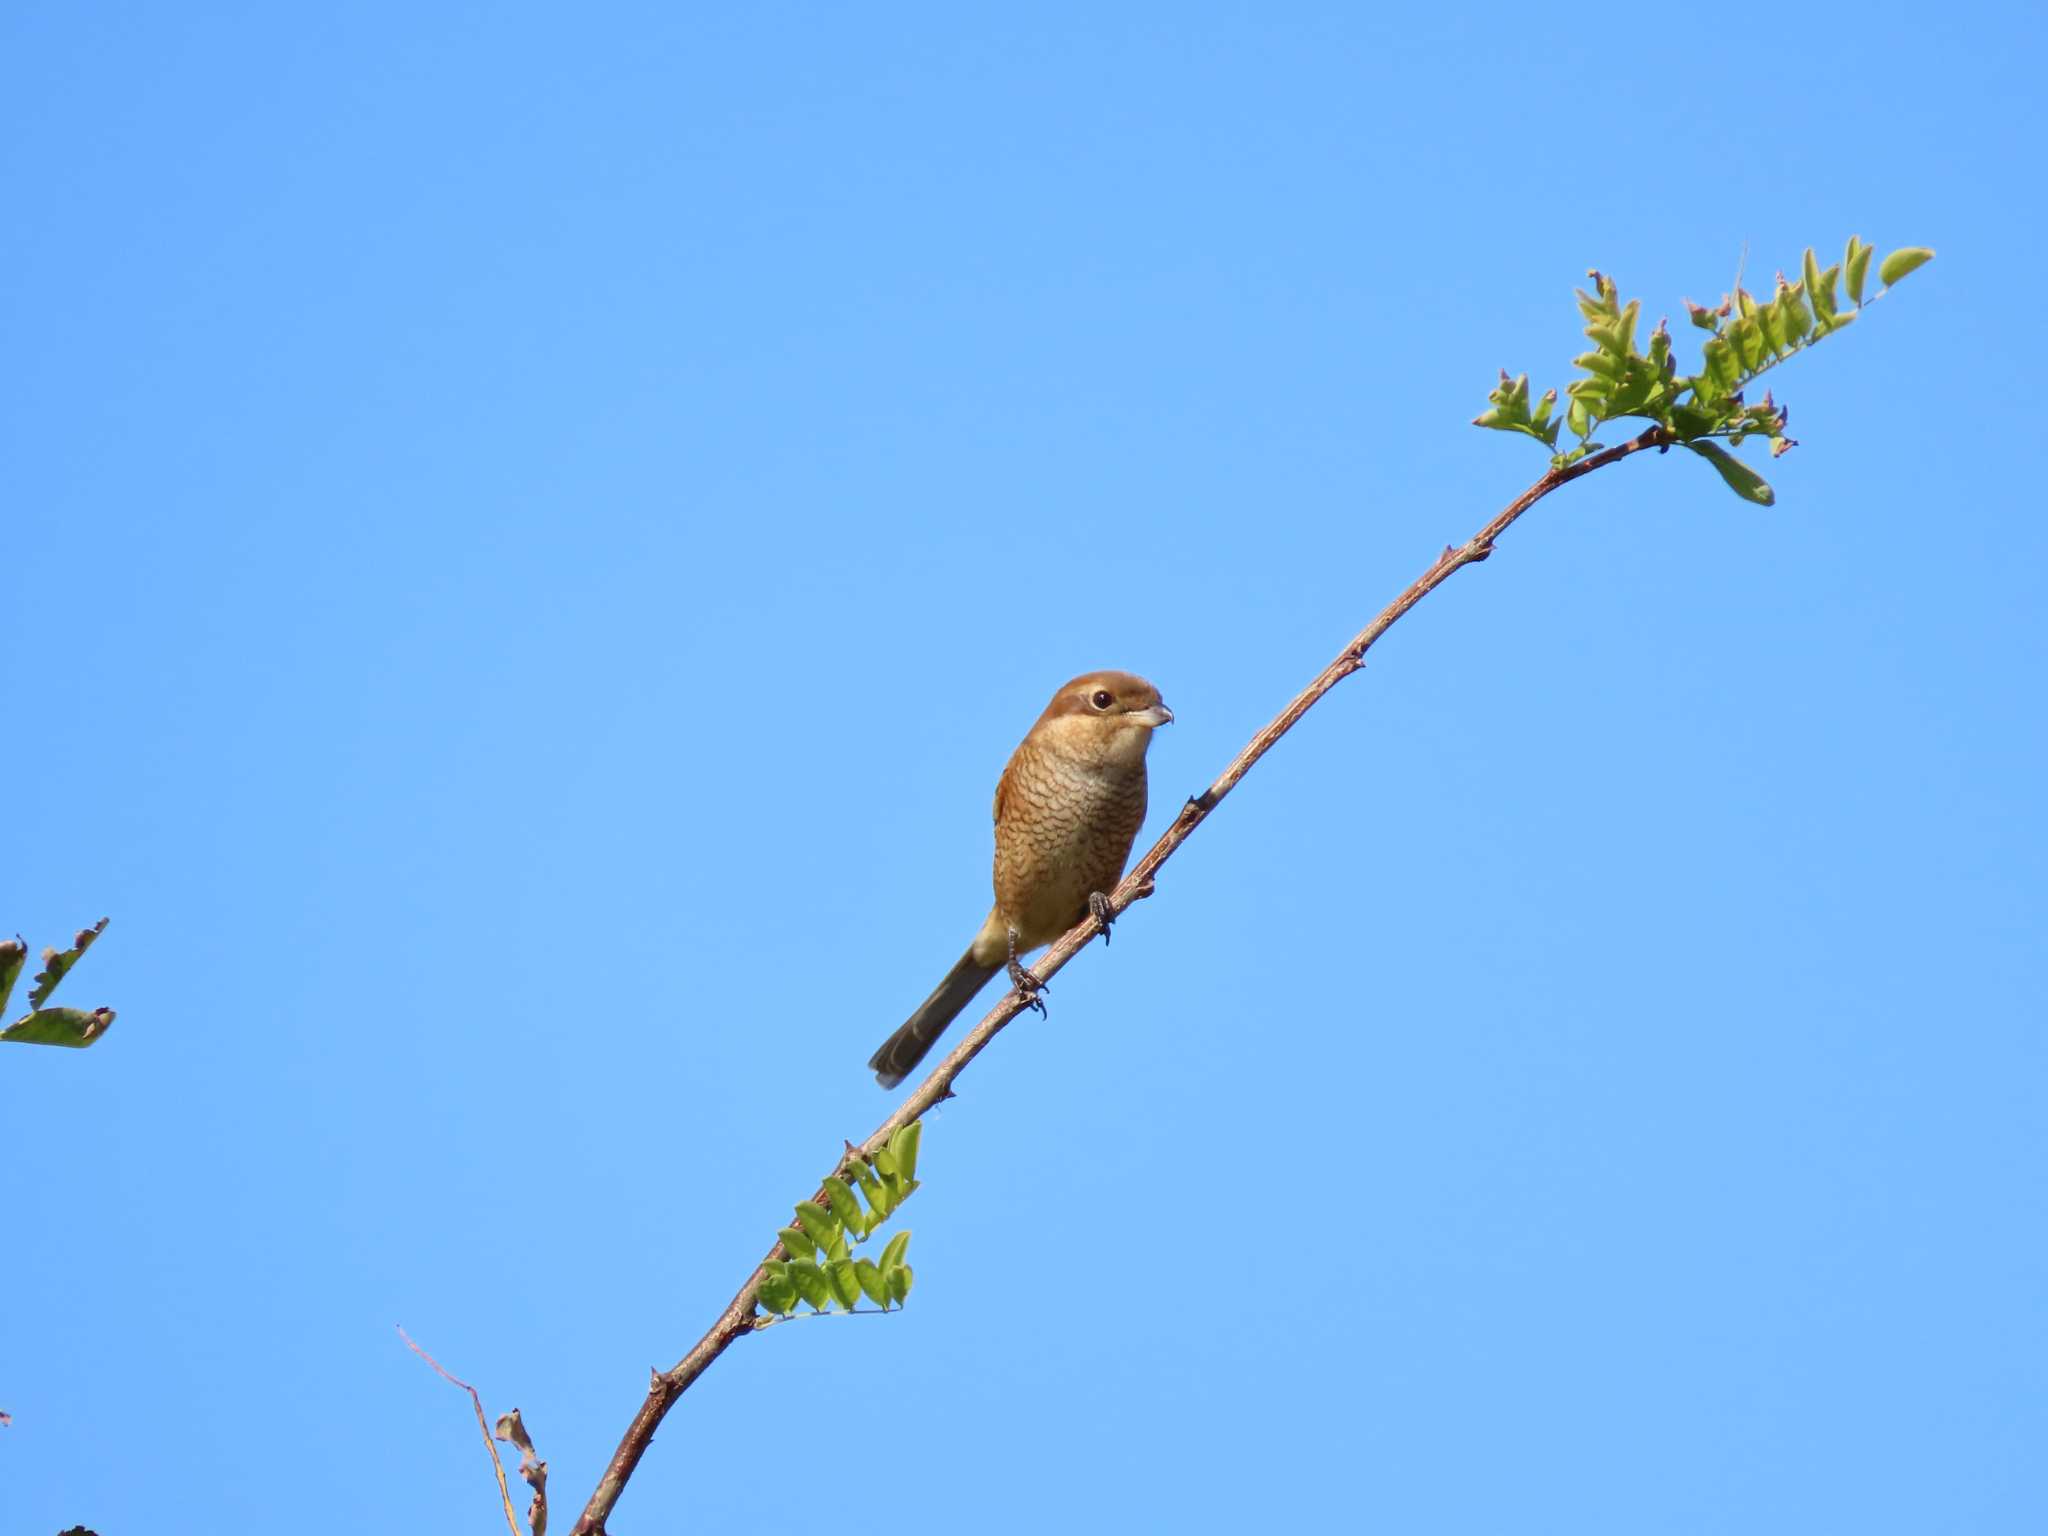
(820, 1268)
(483, 1424)
(1747, 339)
(74, 1027)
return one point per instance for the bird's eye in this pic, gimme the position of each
(1102, 698)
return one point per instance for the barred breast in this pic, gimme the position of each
(1065, 821)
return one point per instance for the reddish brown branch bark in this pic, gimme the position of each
(737, 1318)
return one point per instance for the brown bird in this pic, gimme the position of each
(1067, 807)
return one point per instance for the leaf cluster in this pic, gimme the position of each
(1746, 337)
(821, 1269)
(75, 1027)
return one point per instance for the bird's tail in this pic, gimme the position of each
(902, 1051)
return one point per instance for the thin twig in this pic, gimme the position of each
(736, 1320)
(763, 1324)
(504, 1490)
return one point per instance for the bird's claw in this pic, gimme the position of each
(1098, 908)
(1028, 986)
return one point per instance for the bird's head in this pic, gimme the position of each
(1106, 715)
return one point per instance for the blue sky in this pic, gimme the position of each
(531, 535)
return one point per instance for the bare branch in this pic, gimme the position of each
(736, 1320)
(504, 1491)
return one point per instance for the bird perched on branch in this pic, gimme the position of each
(1067, 807)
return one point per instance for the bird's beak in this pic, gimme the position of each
(1155, 717)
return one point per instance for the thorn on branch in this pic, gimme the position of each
(1479, 551)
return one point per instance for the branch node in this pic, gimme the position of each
(1479, 549)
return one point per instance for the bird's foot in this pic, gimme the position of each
(1028, 986)
(1098, 908)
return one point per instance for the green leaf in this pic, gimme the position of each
(845, 1284)
(13, 956)
(871, 1281)
(75, 1027)
(904, 1145)
(900, 1280)
(893, 1254)
(1722, 364)
(1910, 258)
(881, 1199)
(797, 1241)
(869, 1184)
(1694, 419)
(885, 1162)
(778, 1292)
(1598, 363)
(1748, 338)
(1822, 292)
(1577, 417)
(1772, 318)
(836, 1249)
(1742, 480)
(845, 1207)
(57, 962)
(1820, 289)
(818, 1222)
(811, 1284)
(1855, 263)
(1798, 318)
(1705, 319)
(1625, 327)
